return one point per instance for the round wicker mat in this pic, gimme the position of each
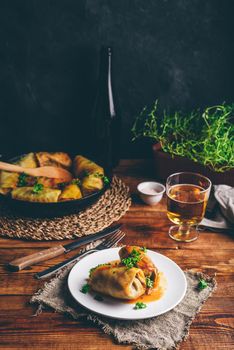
(111, 206)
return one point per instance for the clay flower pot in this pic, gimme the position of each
(166, 165)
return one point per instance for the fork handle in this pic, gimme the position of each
(51, 270)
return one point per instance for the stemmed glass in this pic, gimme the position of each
(187, 197)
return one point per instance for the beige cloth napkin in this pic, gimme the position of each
(163, 332)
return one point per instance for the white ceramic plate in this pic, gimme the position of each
(176, 286)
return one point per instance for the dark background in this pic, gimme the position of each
(178, 51)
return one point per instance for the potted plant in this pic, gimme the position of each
(199, 141)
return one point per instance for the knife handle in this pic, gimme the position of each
(21, 263)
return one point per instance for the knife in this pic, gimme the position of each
(21, 263)
(107, 243)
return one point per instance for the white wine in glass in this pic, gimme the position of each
(187, 197)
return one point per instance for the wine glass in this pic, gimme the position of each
(187, 197)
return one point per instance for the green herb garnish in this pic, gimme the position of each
(37, 188)
(149, 282)
(202, 284)
(144, 249)
(104, 178)
(61, 185)
(204, 136)
(98, 297)
(140, 305)
(22, 180)
(85, 289)
(132, 259)
(75, 182)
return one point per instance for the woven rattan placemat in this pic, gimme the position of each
(111, 206)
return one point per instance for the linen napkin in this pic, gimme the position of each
(163, 332)
(220, 209)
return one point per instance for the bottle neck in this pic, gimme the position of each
(105, 78)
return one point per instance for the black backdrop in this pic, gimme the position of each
(179, 51)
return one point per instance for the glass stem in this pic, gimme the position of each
(184, 230)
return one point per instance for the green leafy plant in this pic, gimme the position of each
(206, 137)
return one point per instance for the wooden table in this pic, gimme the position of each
(212, 253)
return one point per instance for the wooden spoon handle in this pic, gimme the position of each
(21, 263)
(11, 167)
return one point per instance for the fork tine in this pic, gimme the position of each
(110, 239)
(115, 239)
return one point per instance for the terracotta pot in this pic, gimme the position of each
(166, 165)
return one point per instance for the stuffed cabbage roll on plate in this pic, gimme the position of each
(91, 183)
(84, 166)
(71, 191)
(59, 159)
(10, 180)
(144, 262)
(118, 281)
(45, 195)
(102, 283)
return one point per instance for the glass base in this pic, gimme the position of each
(190, 236)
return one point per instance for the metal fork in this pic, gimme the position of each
(107, 243)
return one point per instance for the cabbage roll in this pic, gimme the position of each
(9, 180)
(118, 281)
(84, 166)
(144, 263)
(28, 161)
(49, 182)
(46, 195)
(59, 159)
(90, 184)
(71, 191)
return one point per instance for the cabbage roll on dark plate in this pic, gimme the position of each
(84, 166)
(91, 183)
(71, 191)
(59, 159)
(118, 281)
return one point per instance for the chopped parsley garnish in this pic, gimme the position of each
(85, 289)
(75, 182)
(104, 178)
(132, 259)
(98, 297)
(139, 305)
(22, 180)
(144, 249)
(37, 188)
(61, 185)
(202, 284)
(149, 282)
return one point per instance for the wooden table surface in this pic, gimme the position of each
(212, 253)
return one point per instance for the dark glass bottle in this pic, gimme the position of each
(105, 117)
